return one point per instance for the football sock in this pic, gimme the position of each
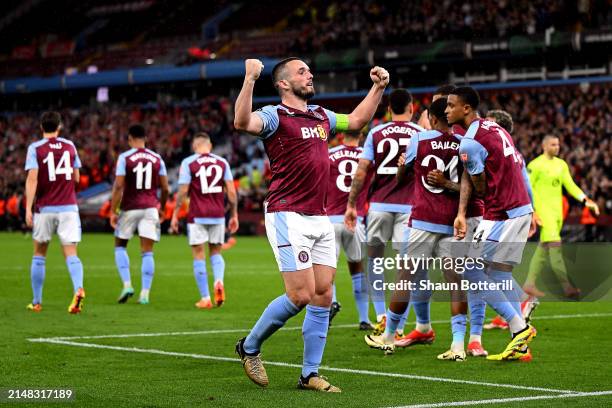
(199, 271)
(217, 264)
(378, 296)
(334, 299)
(314, 330)
(494, 298)
(360, 292)
(37, 274)
(402, 322)
(122, 260)
(458, 324)
(513, 295)
(421, 303)
(477, 308)
(393, 320)
(273, 318)
(148, 270)
(75, 267)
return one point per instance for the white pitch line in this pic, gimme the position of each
(281, 364)
(504, 400)
(335, 326)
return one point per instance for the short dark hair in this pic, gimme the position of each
(468, 95)
(399, 99)
(50, 121)
(437, 109)
(202, 135)
(502, 118)
(137, 131)
(445, 90)
(279, 67)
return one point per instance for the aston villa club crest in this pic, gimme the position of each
(303, 256)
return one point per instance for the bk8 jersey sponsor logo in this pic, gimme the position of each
(314, 132)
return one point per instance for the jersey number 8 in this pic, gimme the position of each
(346, 168)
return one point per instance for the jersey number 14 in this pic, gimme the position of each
(63, 166)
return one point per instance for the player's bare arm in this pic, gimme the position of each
(232, 198)
(479, 181)
(30, 191)
(364, 112)
(116, 195)
(402, 170)
(465, 192)
(163, 198)
(244, 118)
(350, 216)
(180, 198)
(436, 178)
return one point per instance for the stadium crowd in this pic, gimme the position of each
(580, 115)
(354, 24)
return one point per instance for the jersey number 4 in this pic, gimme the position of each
(207, 171)
(63, 166)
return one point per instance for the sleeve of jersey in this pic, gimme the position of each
(338, 122)
(227, 176)
(77, 159)
(31, 162)
(473, 155)
(368, 148)
(269, 117)
(569, 185)
(411, 150)
(162, 168)
(120, 171)
(527, 183)
(184, 173)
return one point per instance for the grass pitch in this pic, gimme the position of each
(189, 359)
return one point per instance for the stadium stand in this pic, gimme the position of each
(580, 115)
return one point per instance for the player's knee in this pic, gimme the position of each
(301, 298)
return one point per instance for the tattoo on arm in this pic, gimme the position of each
(465, 191)
(358, 181)
(480, 184)
(180, 197)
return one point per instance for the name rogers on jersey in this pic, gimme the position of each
(314, 132)
(399, 129)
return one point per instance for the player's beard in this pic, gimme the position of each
(303, 93)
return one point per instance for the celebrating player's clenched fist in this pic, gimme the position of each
(253, 68)
(380, 76)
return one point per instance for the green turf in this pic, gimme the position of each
(569, 354)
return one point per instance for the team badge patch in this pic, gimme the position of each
(303, 256)
(322, 132)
